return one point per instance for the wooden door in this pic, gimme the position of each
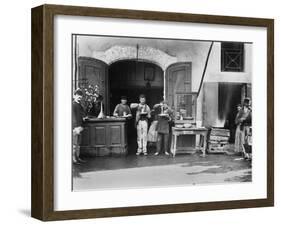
(178, 80)
(94, 72)
(178, 87)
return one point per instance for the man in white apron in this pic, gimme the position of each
(142, 116)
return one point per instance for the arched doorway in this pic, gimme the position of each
(132, 78)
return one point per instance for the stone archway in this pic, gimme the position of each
(126, 78)
(146, 53)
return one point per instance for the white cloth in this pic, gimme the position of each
(152, 133)
(239, 139)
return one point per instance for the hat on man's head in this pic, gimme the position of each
(141, 96)
(123, 98)
(78, 92)
(246, 102)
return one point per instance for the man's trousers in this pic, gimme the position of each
(142, 127)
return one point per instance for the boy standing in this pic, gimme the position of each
(164, 117)
(122, 109)
(78, 114)
(142, 116)
(243, 120)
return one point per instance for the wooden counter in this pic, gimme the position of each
(103, 137)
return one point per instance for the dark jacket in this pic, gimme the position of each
(78, 114)
(163, 125)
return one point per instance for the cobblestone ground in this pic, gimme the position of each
(146, 171)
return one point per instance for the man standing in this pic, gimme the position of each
(77, 122)
(122, 109)
(237, 131)
(164, 117)
(142, 116)
(243, 120)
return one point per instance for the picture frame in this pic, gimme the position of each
(42, 170)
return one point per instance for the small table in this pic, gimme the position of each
(202, 131)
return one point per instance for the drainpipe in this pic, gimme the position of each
(199, 113)
(205, 67)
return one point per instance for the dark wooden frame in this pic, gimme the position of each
(42, 202)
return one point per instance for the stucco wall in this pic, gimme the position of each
(164, 53)
(167, 52)
(214, 73)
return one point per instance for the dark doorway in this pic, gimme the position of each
(230, 95)
(132, 78)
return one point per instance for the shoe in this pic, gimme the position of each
(138, 153)
(167, 153)
(145, 153)
(81, 160)
(75, 162)
(156, 153)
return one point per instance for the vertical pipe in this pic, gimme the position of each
(205, 67)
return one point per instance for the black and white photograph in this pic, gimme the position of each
(121, 113)
(159, 112)
(149, 112)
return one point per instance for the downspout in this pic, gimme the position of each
(205, 67)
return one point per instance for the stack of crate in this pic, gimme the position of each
(218, 139)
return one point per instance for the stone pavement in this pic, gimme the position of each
(150, 171)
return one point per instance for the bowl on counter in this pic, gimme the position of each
(187, 125)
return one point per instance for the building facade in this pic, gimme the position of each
(203, 87)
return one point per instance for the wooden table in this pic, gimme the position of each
(202, 131)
